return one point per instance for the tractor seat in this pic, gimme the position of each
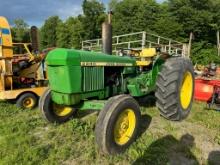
(148, 52)
(146, 56)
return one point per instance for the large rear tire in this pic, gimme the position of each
(53, 112)
(117, 124)
(175, 88)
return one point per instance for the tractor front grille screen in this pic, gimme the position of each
(93, 78)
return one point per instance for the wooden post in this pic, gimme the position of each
(143, 40)
(190, 43)
(218, 43)
(169, 46)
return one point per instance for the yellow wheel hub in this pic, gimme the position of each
(124, 127)
(60, 110)
(28, 102)
(186, 90)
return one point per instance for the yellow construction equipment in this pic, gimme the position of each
(22, 76)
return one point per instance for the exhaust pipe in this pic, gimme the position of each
(107, 36)
(34, 39)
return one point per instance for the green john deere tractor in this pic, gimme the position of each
(83, 80)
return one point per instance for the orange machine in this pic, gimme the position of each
(21, 76)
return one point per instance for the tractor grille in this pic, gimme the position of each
(93, 78)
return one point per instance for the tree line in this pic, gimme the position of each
(174, 19)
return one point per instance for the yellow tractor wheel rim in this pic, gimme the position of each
(186, 90)
(124, 127)
(28, 102)
(60, 110)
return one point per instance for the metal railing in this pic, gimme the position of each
(138, 41)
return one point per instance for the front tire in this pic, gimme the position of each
(27, 101)
(117, 124)
(175, 88)
(53, 112)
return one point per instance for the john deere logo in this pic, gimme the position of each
(105, 64)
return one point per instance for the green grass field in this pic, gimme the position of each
(26, 138)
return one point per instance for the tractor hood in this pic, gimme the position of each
(74, 57)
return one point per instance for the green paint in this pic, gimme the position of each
(65, 99)
(91, 105)
(73, 99)
(92, 78)
(65, 79)
(145, 82)
(74, 57)
(129, 70)
(76, 77)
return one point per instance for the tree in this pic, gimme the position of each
(49, 32)
(63, 36)
(204, 53)
(94, 15)
(174, 19)
(112, 5)
(216, 24)
(70, 33)
(77, 32)
(20, 31)
(194, 16)
(166, 25)
(130, 16)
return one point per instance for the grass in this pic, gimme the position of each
(25, 138)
